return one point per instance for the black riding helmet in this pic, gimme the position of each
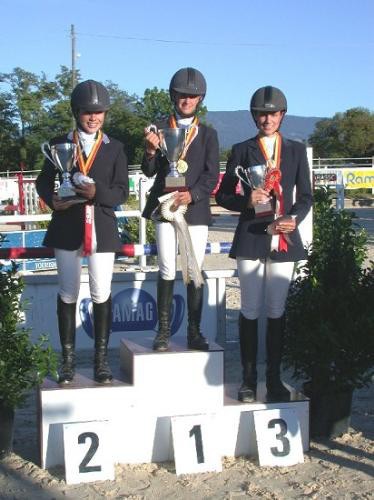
(89, 96)
(268, 100)
(187, 81)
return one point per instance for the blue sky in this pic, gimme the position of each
(320, 52)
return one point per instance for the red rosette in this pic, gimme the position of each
(272, 178)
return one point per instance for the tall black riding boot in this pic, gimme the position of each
(195, 340)
(276, 391)
(248, 353)
(102, 314)
(164, 302)
(66, 328)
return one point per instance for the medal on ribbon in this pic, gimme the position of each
(272, 183)
(182, 166)
(89, 241)
(192, 132)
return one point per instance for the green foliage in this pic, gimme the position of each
(224, 154)
(346, 135)
(129, 229)
(23, 364)
(8, 132)
(330, 315)
(155, 105)
(124, 124)
(34, 109)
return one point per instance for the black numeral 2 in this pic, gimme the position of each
(83, 467)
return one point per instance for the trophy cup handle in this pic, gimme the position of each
(47, 155)
(152, 128)
(239, 171)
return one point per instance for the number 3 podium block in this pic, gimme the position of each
(149, 389)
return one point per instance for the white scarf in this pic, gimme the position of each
(87, 141)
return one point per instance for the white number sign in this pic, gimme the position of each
(195, 444)
(87, 451)
(278, 437)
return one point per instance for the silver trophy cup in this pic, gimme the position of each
(172, 142)
(254, 177)
(63, 156)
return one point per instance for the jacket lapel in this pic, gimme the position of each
(254, 152)
(284, 153)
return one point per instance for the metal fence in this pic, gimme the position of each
(364, 162)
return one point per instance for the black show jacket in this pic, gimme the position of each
(201, 177)
(110, 173)
(250, 239)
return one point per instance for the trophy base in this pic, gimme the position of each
(175, 184)
(263, 209)
(65, 190)
(75, 198)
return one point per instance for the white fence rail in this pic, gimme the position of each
(364, 162)
(31, 217)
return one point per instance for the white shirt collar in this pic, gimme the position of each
(106, 139)
(184, 122)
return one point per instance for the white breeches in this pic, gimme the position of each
(167, 247)
(264, 281)
(100, 272)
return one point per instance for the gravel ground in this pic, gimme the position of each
(341, 468)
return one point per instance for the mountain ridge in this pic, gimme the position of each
(237, 126)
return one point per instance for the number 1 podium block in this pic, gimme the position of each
(176, 382)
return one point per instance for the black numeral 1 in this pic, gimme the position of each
(196, 431)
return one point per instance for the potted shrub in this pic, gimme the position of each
(330, 318)
(23, 364)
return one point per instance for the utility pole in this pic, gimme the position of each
(73, 57)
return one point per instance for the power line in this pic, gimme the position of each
(184, 42)
(228, 43)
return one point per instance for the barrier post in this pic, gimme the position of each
(339, 191)
(21, 197)
(142, 220)
(21, 200)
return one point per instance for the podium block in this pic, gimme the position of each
(176, 382)
(82, 401)
(149, 389)
(237, 422)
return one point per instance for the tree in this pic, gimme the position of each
(29, 95)
(60, 115)
(8, 133)
(124, 124)
(32, 112)
(35, 109)
(155, 105)
(346, 135)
